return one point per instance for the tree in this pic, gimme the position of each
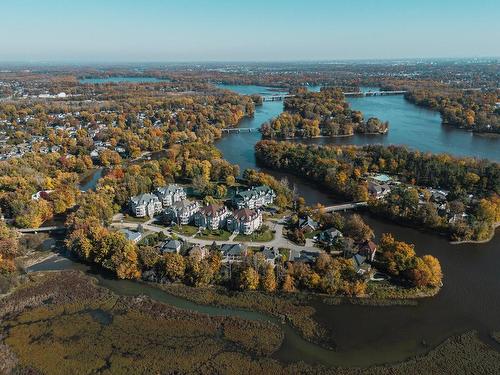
(356, 228)
(174, 266)
(288, 285)
(148, 257)
(268, 280)
(249, 279)
(125, 262)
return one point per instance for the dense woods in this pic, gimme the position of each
(474, 185)
(311, 114)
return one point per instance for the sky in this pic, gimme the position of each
(237, 30)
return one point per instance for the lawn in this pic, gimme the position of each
(258, 236)
(133, 219)
(216, 235)
(186, 230)
(312, 234)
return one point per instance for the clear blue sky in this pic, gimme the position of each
(258, 30)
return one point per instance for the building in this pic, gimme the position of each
(232, 253)
(307, 224)
(271, 254)
(42, 194)
(198, 251)
(182, 212)
(131, 235)
(145, 205)
(329, 236)
(171, 246)
(255, 197)
(244, 221)
(378, 190)
(368, 250)
(168, 195)
(360, 264)
(212, 216)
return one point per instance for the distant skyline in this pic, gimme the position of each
(221, 30)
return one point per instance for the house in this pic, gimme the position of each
(308, 257)
(145, 205)
(42, 194)
(368, 250)
(182, 212)
(271, 254)
(329, 236)
(212, 216)
(307, 224)
(254, 197)
(360, 265)
(131, 235)
(378, 190)
(438, 196)
(168, 195)
(198, 251)
(244, 221)
(171, 246)
(232, 253)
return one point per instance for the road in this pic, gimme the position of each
(278, 241)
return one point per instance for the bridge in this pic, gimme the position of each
(276, 98)
(42, 229)
(375, 93)
(345, 206)
(240, 130)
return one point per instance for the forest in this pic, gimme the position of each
(312, 114)
(474, 185)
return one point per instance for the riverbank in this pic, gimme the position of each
(108, 333)
(494, 227)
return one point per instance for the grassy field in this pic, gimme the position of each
(215, 235)
(258, 236)
(186, 230)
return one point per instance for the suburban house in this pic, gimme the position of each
(368, 250)
(271, 254)
(42, 194)
(254, 197)
(145, 205)
(244, 221)
(232, 253)
(198, 251)
(329, 236)
(360, 264)
(131, 235)
(171, 246)
(170, 194)
(307, 224)
(378, 190)
(305, 256)
(212, 216)
(182, 212)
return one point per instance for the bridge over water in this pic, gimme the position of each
(281, 97)
(345, 206)
(42, 229)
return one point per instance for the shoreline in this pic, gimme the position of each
(494, 227)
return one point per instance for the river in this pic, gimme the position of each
(366, 335)
(409, 125)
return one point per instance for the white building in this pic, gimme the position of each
(254, 198)
(212, 216)
(182, 212)
(244, 221)
(145, 205)
(170, 194)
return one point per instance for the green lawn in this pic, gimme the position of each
(312, 234)
(186, 230)
(264, 236)
(216, 235)
(132, 219)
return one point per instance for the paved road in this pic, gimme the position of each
(278, 241)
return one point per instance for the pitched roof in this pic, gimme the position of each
(144, 199)
(213, 209)
(244, 213)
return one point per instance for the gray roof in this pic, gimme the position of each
(170, 189)
(131, 235)
(171, 246)
(235, 249)
(255, 191)
(144, 199)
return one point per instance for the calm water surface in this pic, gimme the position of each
(365, 335)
